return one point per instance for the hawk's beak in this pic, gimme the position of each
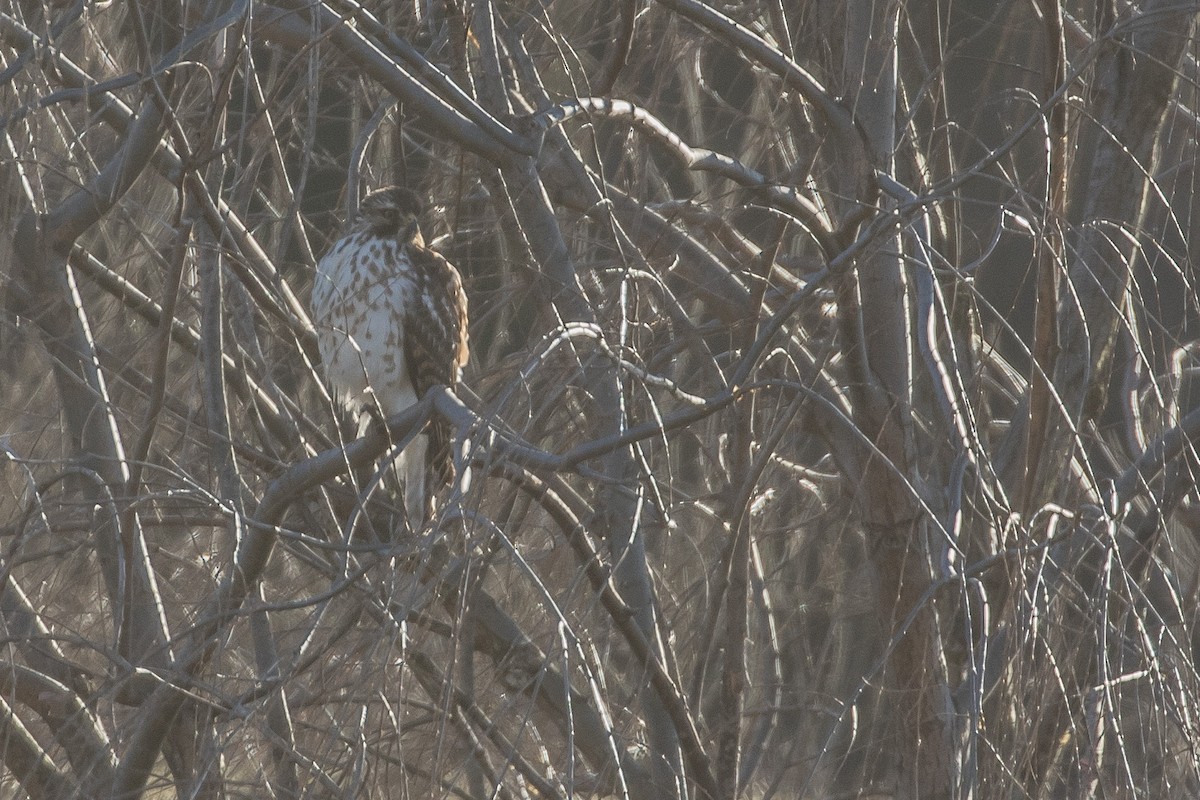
(410, 232)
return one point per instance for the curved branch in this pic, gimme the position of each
(302, 22)
(447, 89)
(1154, 460)
(785, 198)
(836, 115)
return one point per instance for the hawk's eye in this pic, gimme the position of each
(384, 221)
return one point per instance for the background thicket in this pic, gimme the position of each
(831, 404)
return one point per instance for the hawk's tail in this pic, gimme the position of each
(441, 455)
(439, 472)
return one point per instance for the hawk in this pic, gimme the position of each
(391, 319)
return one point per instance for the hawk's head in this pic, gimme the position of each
(392, 212)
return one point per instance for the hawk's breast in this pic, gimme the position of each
(362, 289)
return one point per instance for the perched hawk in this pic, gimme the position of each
(391, 319)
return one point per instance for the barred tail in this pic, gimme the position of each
(440, 456)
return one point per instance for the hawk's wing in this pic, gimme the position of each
(435, 345)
